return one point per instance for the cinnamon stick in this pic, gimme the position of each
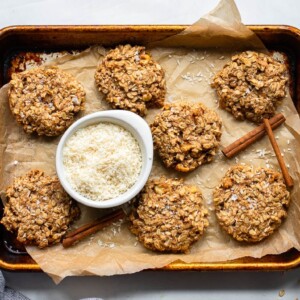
(86, 230)
(251, 137)
(287, 178)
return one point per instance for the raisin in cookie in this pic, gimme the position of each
(45, 100)
(251, 204)
(131, 79)
(38, 209)
(251, 86)
(168, 216)
(186, 135)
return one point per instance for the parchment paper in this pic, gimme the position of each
(188, 73)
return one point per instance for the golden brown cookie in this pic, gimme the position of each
(168, 216)
(251, 204)
(131, 79)
(186, 135)
(38, 209)
(251, 86)
(45, 100)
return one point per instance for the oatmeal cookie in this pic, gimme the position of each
(251, 204)
(45, 100)
(168, 216)
(251, 86)
(186, 135)
(131, 79)
(38, 209)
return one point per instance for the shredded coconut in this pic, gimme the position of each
(102, 161)
(192, 78)
(234, 197)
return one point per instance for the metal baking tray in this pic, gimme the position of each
(18, 40)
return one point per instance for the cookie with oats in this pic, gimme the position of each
(45, 100)
(251, 204)
(130, 79)
(186, 135)
(38, 210)
(251, 86)
(168, 215)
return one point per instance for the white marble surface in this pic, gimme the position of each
(151, 285)
(162, 286)
(27, 12)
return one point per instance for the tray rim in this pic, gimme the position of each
(102, 28)
(178, 265)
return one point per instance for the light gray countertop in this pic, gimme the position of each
(151, 284)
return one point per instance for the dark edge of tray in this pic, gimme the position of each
(55, 38)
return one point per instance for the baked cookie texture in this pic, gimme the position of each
(131, 79)
(45, 100)
(38, 210)
(251, 86)
(186, 135)
(168, 216)
(251, 204)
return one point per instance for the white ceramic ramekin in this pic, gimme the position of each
(139, 129)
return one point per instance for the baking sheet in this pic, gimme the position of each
(115, 250)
